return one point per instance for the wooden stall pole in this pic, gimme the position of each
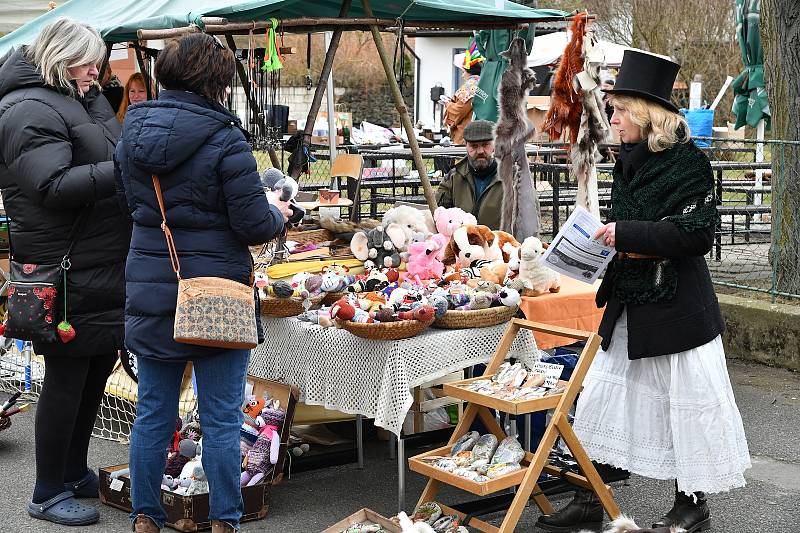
(295, 170)
(405, 119)
(141, 56)
(259, 116)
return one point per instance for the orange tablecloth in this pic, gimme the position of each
(572, 307)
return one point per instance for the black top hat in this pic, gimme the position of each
(647, 76)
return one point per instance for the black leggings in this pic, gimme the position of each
(65, 416)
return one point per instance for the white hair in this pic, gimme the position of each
(64, 44)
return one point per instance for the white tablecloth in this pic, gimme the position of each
(340, 371)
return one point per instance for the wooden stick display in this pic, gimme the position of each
(534, 463)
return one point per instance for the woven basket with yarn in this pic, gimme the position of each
(479, 318)
(386, 331)
(286, 307)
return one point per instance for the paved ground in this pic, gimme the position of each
(769, 400)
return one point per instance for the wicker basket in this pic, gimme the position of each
(315, 236)
(386, 331)
(332, 297)
(286, 307)
(479, 318)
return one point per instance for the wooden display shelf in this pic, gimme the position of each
(514, 407)
(534, 464)
(481, 489)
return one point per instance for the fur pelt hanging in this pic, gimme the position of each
(623, 524)
(594, 128)
(519, 215)
(565, 103)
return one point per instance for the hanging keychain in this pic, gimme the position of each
(65, 329)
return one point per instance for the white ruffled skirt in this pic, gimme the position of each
(666, 417)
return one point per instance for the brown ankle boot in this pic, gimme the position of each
(218, 526)
(143, 524)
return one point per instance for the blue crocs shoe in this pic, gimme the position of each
(86, 487)
(64, 509)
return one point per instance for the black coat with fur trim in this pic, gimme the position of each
(692, 317)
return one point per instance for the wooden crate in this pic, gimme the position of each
(363, 515)
(514, 407)
(481, 489)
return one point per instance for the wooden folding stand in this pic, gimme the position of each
(533, 464)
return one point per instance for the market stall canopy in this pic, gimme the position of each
(750, 103)
(547, 49)
(119, 21)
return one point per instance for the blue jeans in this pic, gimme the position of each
(220, 391)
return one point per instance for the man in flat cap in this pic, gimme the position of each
(472, 184)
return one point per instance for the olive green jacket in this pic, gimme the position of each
(458, 190)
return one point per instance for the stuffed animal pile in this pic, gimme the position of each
(183, 471)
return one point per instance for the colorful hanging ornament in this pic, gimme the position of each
(272, 55)
(472, 56)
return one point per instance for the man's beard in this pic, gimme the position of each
(480, 163)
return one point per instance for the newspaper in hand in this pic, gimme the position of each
(574, 252)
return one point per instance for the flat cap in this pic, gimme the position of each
(479, 130)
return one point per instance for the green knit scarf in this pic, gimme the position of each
(675, 185)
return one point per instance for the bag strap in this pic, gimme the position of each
(173, 253)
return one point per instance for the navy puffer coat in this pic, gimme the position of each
(215, 208)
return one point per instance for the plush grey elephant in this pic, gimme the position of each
(379, 247)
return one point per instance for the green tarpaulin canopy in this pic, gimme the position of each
(118, 21)
(750, 103)
(490, 44)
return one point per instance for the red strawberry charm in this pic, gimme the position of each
(66, 331)
(2, 329)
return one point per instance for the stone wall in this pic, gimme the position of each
(756, 330)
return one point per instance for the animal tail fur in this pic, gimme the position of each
(565, 105)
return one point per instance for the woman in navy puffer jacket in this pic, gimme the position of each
(215, 208)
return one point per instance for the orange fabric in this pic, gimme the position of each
(572, 307)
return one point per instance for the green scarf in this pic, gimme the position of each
(677, 185)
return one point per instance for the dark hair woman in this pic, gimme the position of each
(215, 207)
(57, 138)
(657, 400)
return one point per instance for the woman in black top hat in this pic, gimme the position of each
(657, 400)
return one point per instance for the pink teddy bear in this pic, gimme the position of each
(423, 260)
(448, 220)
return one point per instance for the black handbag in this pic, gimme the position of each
(36, 296)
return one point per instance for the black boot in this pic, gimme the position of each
(583, 512)
(690, 512)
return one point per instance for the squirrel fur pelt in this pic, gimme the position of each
(520, 211)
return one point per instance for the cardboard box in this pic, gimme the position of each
(190, 513)
(364, 515)
(537, 111)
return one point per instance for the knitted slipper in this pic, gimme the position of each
(86, 487)
(64, 509)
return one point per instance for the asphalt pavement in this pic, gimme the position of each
(768, 398)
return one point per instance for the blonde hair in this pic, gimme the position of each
(126, 101)
(64, 44)
(662, 127)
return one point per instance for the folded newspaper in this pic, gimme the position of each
(574, 252)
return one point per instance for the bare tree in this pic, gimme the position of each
(781, 42)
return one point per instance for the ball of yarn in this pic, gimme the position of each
(314, 283)
(439, 304)
(457, 300)
(424, 313)
(282, 289)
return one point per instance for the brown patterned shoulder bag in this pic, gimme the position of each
(215, 312)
